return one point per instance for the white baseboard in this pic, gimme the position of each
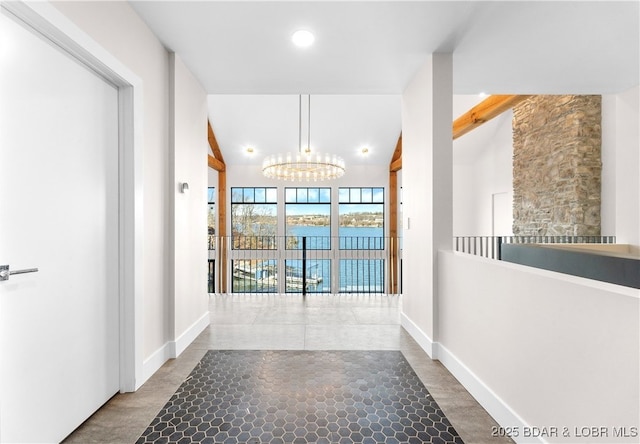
(492, 403)
(419, 336)
(190, 334)
(496, 407)
(173, 349)
(153, 363)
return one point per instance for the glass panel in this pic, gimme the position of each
(366, 195)
(272, 195)
(378, 195)
(211, 226)
(318, 274)
(212, 276)
(254, 276)
(325, 195)
(314, 195)
(343, 195)
(354, 195)
(302, 195)
(290, 195)
(254, 226)
(361, 226)
(211, 195)
(312, 221)
(260, 195)
(247, 194)
(361, 275)
(236, 195)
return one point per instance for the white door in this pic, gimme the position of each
(59, 213)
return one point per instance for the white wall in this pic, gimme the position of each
(621, 166)
(118, 29)
(483, 166)
(355, 176)
(427, 191)
(189, 148)
(466, 202)
(540, 348)
(608, 155)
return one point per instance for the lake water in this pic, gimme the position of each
(355, 275)
(364, 275)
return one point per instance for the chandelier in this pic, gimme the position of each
(303, 165)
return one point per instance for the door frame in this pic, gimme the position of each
(54, 26)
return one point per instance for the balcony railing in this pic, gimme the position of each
(304, 264)
(335, 264)
(491, 246)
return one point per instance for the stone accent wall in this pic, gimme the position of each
(557, 166)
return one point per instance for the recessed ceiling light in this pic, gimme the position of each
(302, 38)
(250, 150)
(365, 151)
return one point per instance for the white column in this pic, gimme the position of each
(427, 160)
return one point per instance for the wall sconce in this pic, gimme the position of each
(184, 187)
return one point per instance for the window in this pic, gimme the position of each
(362, 275)
(361, 218)
(211, 216)
(318, 272)
(253, 225)
(253, 218)
(254, 276)
(307, 255)
(308, 214)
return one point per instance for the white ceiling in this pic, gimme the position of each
(241, 53)
(340, 124)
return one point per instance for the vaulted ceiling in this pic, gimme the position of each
(365, 53)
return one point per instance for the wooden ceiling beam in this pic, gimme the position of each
(486, 110)
(396, 165)
(213, 143)
(397, 153)
(215, 163)
(396, 159)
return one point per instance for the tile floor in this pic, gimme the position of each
(289, 322)
(299, 397)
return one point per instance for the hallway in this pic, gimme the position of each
(289, 322)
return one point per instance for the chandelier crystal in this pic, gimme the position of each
(304, 165)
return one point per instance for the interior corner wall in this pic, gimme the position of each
(523, 342)
(608, 203)
(427, 178)
(188, 147)
(621, 167)
(483, 168)
(118, 29)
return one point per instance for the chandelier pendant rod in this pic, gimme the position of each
(302, 167)
(309, 125)
(300, 124)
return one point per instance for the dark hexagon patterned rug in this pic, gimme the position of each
(301, 397)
